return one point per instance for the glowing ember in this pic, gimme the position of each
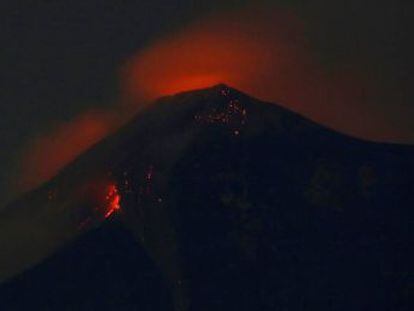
(232, 114)
(113, 200)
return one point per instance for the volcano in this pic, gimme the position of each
(213, 200)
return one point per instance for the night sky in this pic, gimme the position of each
(60, 58)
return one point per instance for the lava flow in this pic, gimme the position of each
(113, 199)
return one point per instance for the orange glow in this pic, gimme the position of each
(259, 52)
(208, 53)
(265, 53)
(189, 83)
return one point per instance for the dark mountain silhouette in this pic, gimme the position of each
(227, 203)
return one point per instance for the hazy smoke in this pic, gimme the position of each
(46, 154)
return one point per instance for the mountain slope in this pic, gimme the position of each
(241, 205)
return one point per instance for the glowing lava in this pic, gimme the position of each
(113, 200)
(232, 114)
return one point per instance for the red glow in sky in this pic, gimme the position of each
(47, 154)
(265, 53)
